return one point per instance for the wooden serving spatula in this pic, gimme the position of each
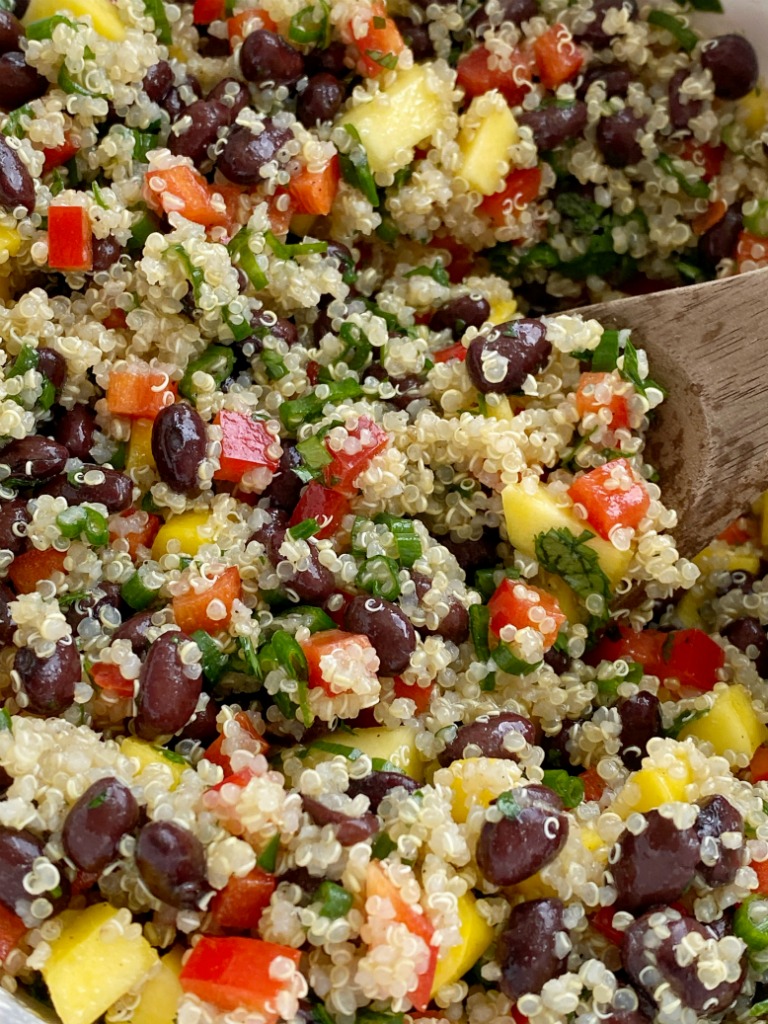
(708, 345)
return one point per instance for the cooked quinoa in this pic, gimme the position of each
(318, 503)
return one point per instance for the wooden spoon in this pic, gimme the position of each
(708, 345)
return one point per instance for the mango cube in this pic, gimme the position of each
(10, 241)
(147, 754)
(186, 530)
(140, 446)
(476, 937)
(753, 110)
(502, 311)
(730, 724)
(401, 116)
(88, 970)
(649, 788)
(395, 745)
(476, 782)
(488, 130)
(160, 996)
(103, 15)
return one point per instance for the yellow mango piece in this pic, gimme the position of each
(502, 311)
(160, 997)
(147, 754)
(687, 610)
(753, 110)
(534, 888)
(476, 937)
(476, 781)
(656, 786)
(140, 446)
(566, 596)
(10, 241)
(764, 521)
(730, 724)
(741, 559)
(488, 130)
(590, 840)
(103, 15)
(528, 515)
(498, 409)
(302, 223)
(185, 529)
(87, 971)
(395, 745)
(407, 112)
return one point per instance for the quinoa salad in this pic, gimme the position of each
(320, 696)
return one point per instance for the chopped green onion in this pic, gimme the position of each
(274, 364)
(606, 355)
(240, 253)
(27, 359)
(249, 655)
(119, 455)
(369, 1016)
(218, 361)
(759, 1009)
(143, 142)
(321, 1015)
(382, 846)
(142, 229)
(267, 859)
(305, 529)
(303, 410)
(339, 749)
(5, 720)
(437, 272)
(510, 663)
(13, 124)
(485, 582)
(750, 922)
(171, 755)
(306, 28)
(213, 660)
(360, 524)
(698, 189)
(289, 655)
(135, 594)
(684, 36)
(569, 788)
(387, 231)
(403, 530)
(57, 182)
(314, 618)
(479, 624)
(79, 519)
(713, 6)
(66, 82)
(240, 330)
(43, 29)
(356, 170)
(335, 900)
(194, 274)
(379, 576)
(357, 350)
(756, 222)
(155, 9)
(314, 455)
(98, 196)
(288, 252)
(508, 806)
(384, 60)
(488, 684)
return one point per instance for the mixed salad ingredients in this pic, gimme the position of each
(316, 514)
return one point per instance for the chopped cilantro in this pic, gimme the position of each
(568, 556)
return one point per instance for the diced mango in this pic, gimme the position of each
(476, 782)
(502, 310)
(476, 937)
(741, 559)
(407, 112)
(528, 515)
(186, 530)
(653, 787)
(87, 971)
(566, 597)
(499, 408)
(159, 1003)
(590, 840)
(10, 241)
(103, 14)
(140, 446)
(302, 223)
(687, 611)
(764, 521)
(147, 754)
(753, 110)
(730, 724)
(395, 745)
(488, 131)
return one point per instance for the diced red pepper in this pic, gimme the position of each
(70, 242)
(214, 752)
(245, 445)
(379, 46)
(238, 24)
(558, 58)
(242, 901)
(206, 11)
(28, 568)
(709, 158)
(193, 610)
(455, 351)
(594, 785)
(751, 252)
(313, 372)
(688, 655)
(521, 188)
(760, 867)
(58, 155)
(12, 928)
(476, 75)
(341, 473)
(741, 531)
(280, 207)
(420, 695)
(233, 973)
(602, 921)
(520, 605)
(607, 505)
(758, 766)
(328, 641)
(140, 391)
(239, 779)
(711, 216)
(115, 320)
(321, 503)
(142, 531)
(314, 191)
(184, 190)
(462, 259)
(587, 402)
(110, 678)
(517, 1017)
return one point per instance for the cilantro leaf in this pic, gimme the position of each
(563, 553)
(569, 788)
(631, 371)
(508, 806)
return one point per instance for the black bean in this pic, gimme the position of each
(158, 81)
(617, 138)
(682, 107)
(265, 57)
(716, 816)
(626, 1017)
(245, 153)
(408, 389)
(454, 625)
(377, 785)
(514, 848)
(720, 241)
(348, 830)
(90, 607)
(52, 365)
(168, 695)
(746, 633)
(515, 11)
(179, 443)
(331, 58)
(558, 661)
(173, 103)
(557, 754)
(649, 955)
(615, 77)
(595, 35)
(315, 583)
(518, 348)
(321, 99)
(135, 631)
(487, 733)
(7, 625)
(11, 32)
(75, 431)
(417, 37)
(388, 629)
(474, 554)
(640, 721)
(171, 862)
(34, 458)
(202, 726)
(49, 683)
(526, 947)
(97, 822)
(657, 866)
(12, 515)
(19, 849)
(458, 314)
(267, 324)
(285, 489)
(106, 252)
(231, 94)
(207, 117)
(20, 83)
(552, 126)
(732, 62)
(739, 579)
(114, 489)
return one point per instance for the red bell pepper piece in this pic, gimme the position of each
(379, 46)
(758, 766)
(709, 158)
(115, 320)
(239, 23)
(341, 473)
(206, 11)
(462, 259)
(184, 190)
(70, 242)
(195, 610)
(321, 503)
(587, 402)
(607, 505)
(420, 695)
(328, 641)
(455, 351)
(520, 189)
(245, 445)
(314, 191)
(760, 867)
(234, 973)
(520, 605)
(139, 391)
(602, 921)
(741, 531)
(242, 901)
(139, 529)
(110, 678)
(476, 76)
(751, 252)
(214, 752)
(558, 58)
(58, 155)
(12, 928)
(688, 655)
(28, 568)
(594, 785)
